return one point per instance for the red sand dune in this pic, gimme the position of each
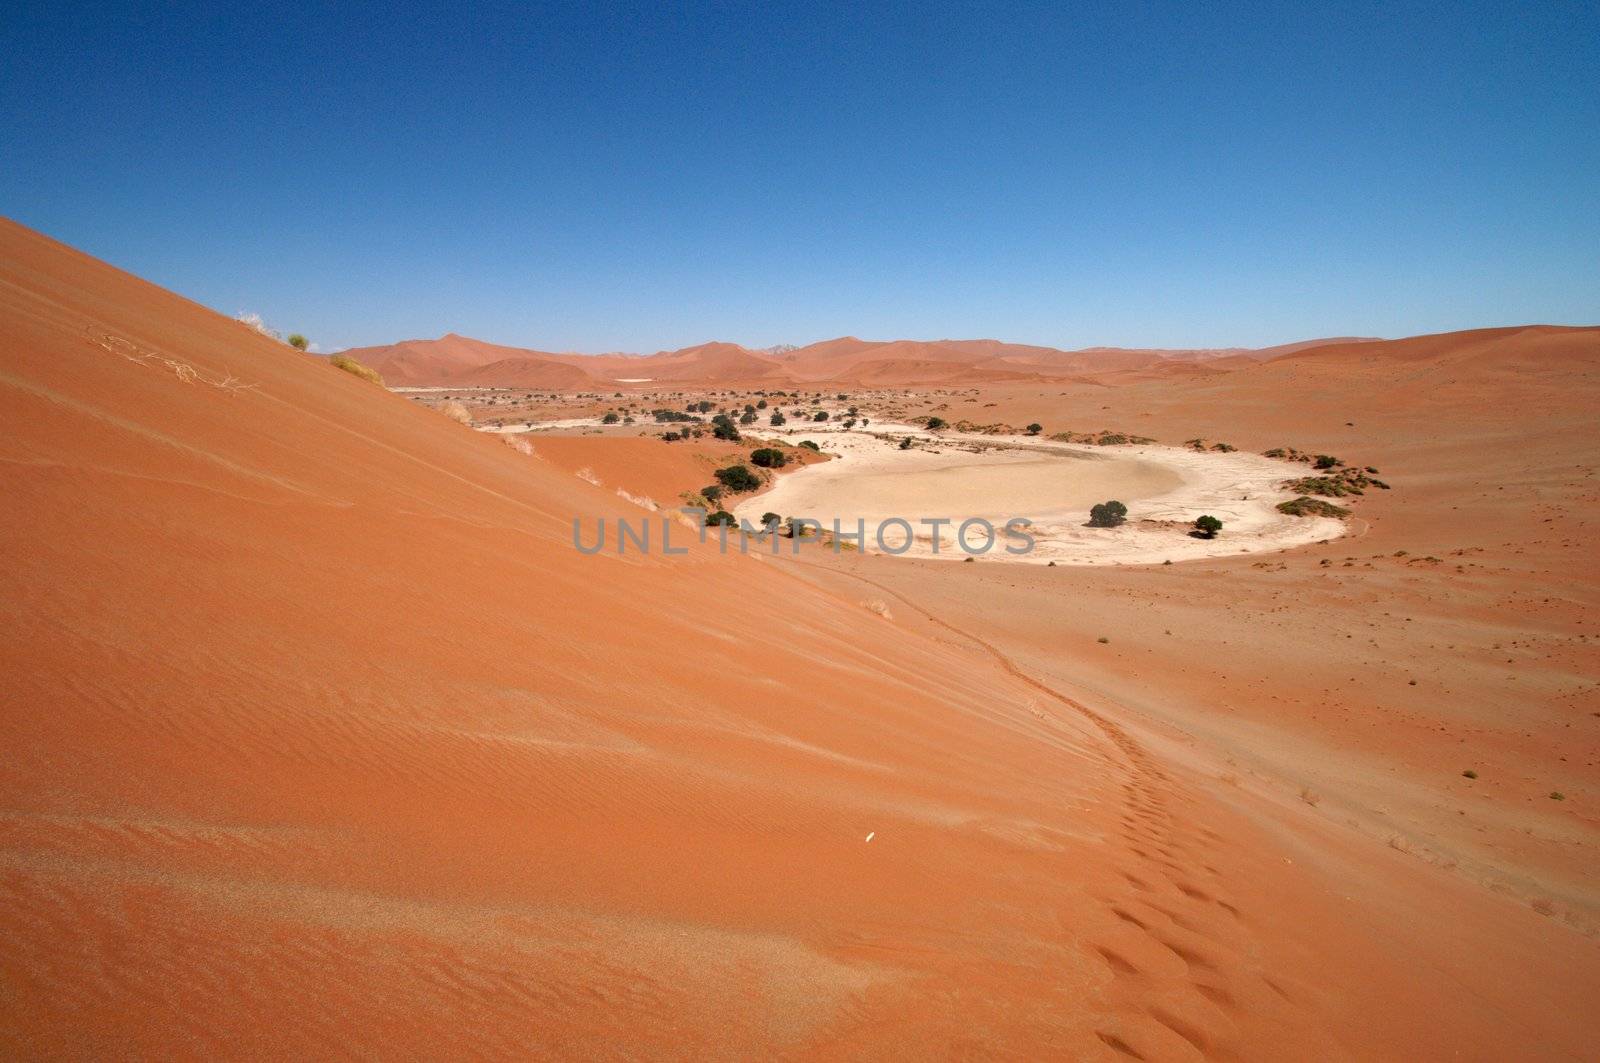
(322, 741)
(461, 361)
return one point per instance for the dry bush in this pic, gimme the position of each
(456, 411)
(518, 444)
(879, 606)
(355, 368)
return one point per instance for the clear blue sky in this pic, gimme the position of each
(570, 177)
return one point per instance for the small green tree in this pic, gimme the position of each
(1208, 526)
(720, 516)
(1107, 514)
(769, 520)
(1035, 428)
(777, 418)
(611, 417)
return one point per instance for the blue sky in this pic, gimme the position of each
(577, 177)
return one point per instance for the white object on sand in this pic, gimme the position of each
(872, 835)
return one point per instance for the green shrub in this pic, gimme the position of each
(1107, 514)
(820, 415)
(1035, 428)
(611, 417)
(297, 341)
(769, 458)
(777, 418)
(810, 445)
(1208, 526)
(738, 478)
(720, 516)
(936, 423)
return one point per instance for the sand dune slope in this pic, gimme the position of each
(322, 741)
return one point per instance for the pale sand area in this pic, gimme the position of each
(956, 476)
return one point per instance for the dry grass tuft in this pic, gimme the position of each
(355, 368)
(456, 411)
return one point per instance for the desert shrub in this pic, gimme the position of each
(936, 423)
(1311, 507)
(703, 406)
(738, 478)
(454, 410)
(297, 341)
(722, 427)
(367, 373)
(720, 516)
(749, 417)
(769, 458)
(711, 493)
(1107, 514)
(672, 437)
(820, 415)
(905, 444)
(670, 416)
(1035, 428)
(769, 519)
(611, 417)
(761, 405)
(1208, 526)
(1326, 461)
(777, 418)
(810, 445)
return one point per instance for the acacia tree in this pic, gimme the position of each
(1208, 526)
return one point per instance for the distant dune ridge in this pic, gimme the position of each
(322, 741)
(465, 362)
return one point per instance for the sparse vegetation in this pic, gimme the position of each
(1311, 507)
(809, 445)
(297, 341)
(720, 516)
(611, 417)
(1208, 526)
(936, 423)
(454, 410)
(777, 419)
(1035, 428)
